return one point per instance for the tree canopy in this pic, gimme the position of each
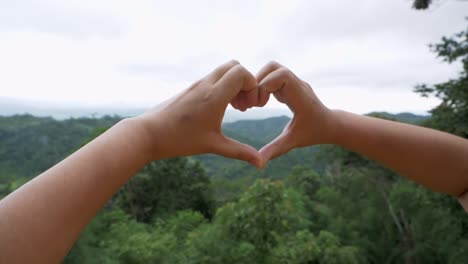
(451, 114)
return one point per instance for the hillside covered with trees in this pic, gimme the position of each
(318, 204)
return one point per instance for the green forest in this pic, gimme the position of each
(320, 204)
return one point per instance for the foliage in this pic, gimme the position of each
(325, 205)
(259, 132)
(387, 216)
(421, 4)
(267, 225)
(452, 114)
(166, 186)
(30, 145)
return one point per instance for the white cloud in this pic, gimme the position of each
(359, 55)
(71, 18)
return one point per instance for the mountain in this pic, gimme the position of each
(64, 110)
(12, 106)
(402, 117)
(30, 144)
(256, 133)
(263, 131)
(255, 113)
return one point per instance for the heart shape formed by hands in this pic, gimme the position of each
(190, 123)
(311, 123)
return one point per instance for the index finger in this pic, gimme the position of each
(235, 80)
(263, 94)
(219, 72)
(267, 69)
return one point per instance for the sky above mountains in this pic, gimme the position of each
(361, 56)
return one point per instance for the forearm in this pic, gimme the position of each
(40, 221)
(435, 159)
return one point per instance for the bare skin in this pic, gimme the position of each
(40, 221)
(432, 158)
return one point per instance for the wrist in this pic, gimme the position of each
(336, 127)
(141, 137)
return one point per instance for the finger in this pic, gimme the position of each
(277, 80)
(250, 98)
(235, 80)
(231, 148)
(263, 97)
(279, 146)
(285, 87)
(267, 69)
(238, 102)
(246, 100)
(242, 102)
(217, 73)
(235, 103)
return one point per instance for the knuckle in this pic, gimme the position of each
(207, 96)
(273, 64)
(233, 62)
(239, 69)
(306, 84)
(285, 73)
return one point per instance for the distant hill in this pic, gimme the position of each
(11, 106)
(257, 133)
(64, 110)
(30, 145)
(261, 131)
(403, 117)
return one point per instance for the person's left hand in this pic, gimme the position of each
(190, 123)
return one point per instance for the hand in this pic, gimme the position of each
(312, 121)
(190, 123)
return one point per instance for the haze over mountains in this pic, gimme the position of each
(60, 111)
(12, 106)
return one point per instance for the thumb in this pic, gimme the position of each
(279, 146)
(231, 148)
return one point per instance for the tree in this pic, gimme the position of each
(391, 219)
(421, 4)
(268, 224)
(303, 179)
(129, 241)
(452, 114)
(166, 186)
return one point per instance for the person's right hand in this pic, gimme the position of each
(312, 122)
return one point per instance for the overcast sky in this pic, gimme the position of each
(361, 55)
